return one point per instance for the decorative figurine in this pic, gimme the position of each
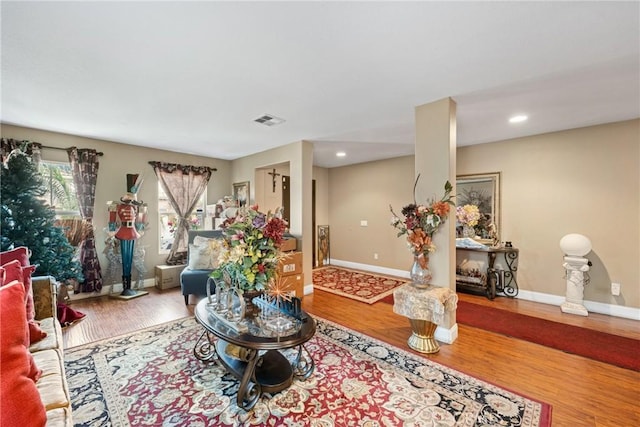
(127, 219)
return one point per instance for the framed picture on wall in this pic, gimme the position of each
(241, 193)
(483, 191)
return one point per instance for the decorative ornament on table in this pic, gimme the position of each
(419, 225)
(279, 291)
(468, 216)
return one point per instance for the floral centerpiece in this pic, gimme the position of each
(421, 221)
(249, 251)
(468, 216)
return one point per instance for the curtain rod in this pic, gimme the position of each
(99, 153)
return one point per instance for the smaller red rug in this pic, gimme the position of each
(364, 287)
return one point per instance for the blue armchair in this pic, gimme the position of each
(193, 279)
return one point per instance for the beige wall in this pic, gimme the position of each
(578, 181)
(584, 181)
(364, 192)
(299, 157)
(117, 161)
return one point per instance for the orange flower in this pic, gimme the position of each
(441, 208)
(418, 239)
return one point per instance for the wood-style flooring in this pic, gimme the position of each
(583, 392)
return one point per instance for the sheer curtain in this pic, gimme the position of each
(183, 185)
(84, 166)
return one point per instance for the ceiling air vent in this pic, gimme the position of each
(269, 120)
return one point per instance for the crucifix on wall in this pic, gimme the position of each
(273, 178)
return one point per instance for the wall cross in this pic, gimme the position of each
(273, 178)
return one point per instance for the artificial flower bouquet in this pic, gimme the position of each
(249, 251)
(421, 221)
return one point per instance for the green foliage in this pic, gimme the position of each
(58, 190)
(29, 221)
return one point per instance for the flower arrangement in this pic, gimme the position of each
(249, 251)
(468, 215)
(422, 221)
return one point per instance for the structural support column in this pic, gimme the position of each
(435, 161)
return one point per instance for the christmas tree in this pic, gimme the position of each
(28, 221)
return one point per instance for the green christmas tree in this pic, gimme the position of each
(28, 221)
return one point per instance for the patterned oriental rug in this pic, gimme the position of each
(364, 287)
(152, 378)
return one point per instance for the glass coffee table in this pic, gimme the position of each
(252, 349)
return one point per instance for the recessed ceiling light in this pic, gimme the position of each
(341, 154)
(518, 119)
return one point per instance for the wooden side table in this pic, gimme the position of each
(426, 309)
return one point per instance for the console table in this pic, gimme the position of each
(493, 280)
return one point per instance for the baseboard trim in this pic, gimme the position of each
(557, 300)
(591, 306)
(447, 336)
(372, 268)
(107, 290)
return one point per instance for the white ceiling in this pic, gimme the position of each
(192, 76)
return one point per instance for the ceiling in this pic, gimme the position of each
(192, 76)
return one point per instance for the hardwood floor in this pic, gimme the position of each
(583, 392)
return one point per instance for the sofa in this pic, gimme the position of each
(34, 390)
(48, 354)
(201, 261)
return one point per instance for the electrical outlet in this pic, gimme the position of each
(364, 223)
(615, 289)
(375, 256)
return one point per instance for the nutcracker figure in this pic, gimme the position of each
(127, 219)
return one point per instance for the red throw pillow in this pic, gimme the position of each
(21, 254)
(35, 332)
(20, 403)
(13, 271)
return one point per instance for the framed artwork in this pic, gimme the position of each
(482, 190)
(323, 245)
(241, 193)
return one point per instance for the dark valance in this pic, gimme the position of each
(185, 169)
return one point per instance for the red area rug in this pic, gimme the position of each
(364, 287)
(152, 378)
(608, 348)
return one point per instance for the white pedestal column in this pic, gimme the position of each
(575, 267)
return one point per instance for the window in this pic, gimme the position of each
(168, 219)
(61, 191)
